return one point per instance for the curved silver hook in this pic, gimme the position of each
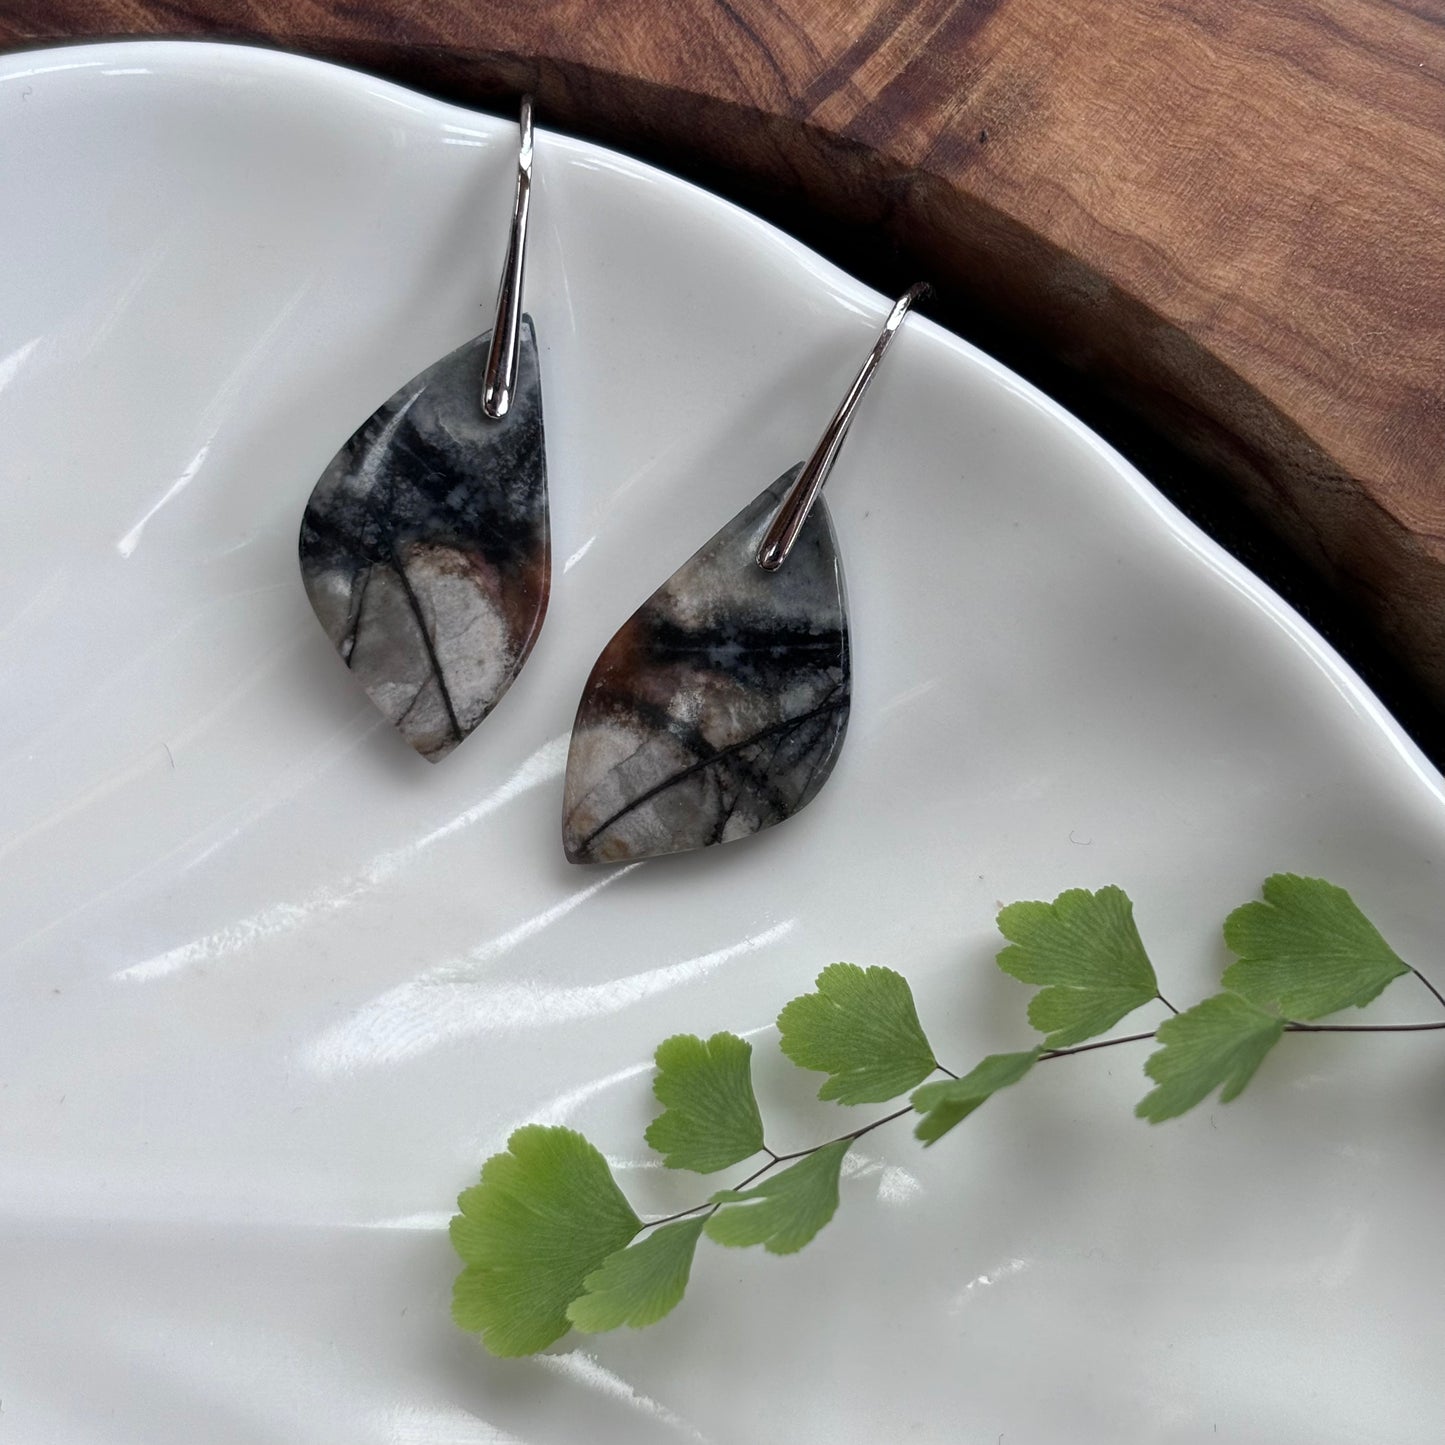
(499, 379)
(788, 522)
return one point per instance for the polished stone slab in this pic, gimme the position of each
(425, 547)
(719, 708)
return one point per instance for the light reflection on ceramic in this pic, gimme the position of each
(215, 860)
(543, 765)
(460, 999)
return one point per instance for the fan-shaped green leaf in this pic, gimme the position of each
(711, 1119)
(1221, 1041)
(861, 1029)
(1307, 950)
(785, 1210)
(544, 1216)
(951, 1101)
(638, 1285)
(1085, 949)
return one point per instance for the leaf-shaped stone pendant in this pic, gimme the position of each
(719, 708)
(425, 549)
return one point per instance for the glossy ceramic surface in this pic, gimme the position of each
(272, 986)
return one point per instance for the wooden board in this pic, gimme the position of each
(1221, 219)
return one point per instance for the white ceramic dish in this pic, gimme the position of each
(273, 986)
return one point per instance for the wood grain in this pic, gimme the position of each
(1227, 216)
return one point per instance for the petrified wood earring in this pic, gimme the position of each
(425, 548)
(719, 708)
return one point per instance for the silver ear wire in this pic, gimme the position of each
(499, 379)
(788, 522)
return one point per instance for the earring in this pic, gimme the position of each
(424, 548)
(720, 707)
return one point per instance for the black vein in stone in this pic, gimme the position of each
(759, 781)
(431, 651)
(355, 631)
(820, 753)
(407, 711)
(689, 736)
(726, 818)
(786, 725)
(686, 734)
